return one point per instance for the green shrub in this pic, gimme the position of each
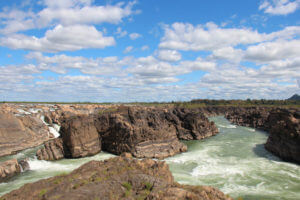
(42, 192)
(127, 185)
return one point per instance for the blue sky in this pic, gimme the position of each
(148, 50)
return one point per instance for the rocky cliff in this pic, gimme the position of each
(284, 138)
(116, 178)
(256, 117)
(283, 126)
(144, 132)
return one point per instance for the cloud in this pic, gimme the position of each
(277, 50)
(279, 7)
(15, 21)
(110, 66)
(227, 53)
(187, 37)
(61, 38)
(66, 3)
(120, 32)
(65, 12)
(84, 14)
(128, 49)
(169, 55)
(145, 47)
(134, 36)
(210, 37)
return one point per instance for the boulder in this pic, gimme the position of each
(24, 165)
(116, 178)
(80, 136)
(53, 150)
(9, 169)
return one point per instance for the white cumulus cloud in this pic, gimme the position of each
(61, 38)
(279, 7)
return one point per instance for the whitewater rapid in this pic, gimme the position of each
(234, 161)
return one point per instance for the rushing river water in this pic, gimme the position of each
(234, 161)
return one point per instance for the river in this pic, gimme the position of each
(234, 161)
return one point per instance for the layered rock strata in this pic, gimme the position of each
(144, 132)
(53, 150)
(256, 117)
(80, 136)
(116, 178)
(19, 133)
(284, 138)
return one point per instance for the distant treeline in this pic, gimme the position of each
(248, 102)
(189, 104)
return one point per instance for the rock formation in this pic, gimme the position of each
(283, 126)
(9, 169)
(80, 136)
(255, 117)
(53, 150)
(116, 178)
(144, 132)
(191, 124)
(18, 133)
(284, 138)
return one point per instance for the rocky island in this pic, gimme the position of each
(116, 178)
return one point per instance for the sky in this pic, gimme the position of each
(148, 50)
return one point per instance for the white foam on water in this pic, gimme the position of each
(56, 127)
(35, 110)
(217, 167)
(54, 131)
(197, 156)
(43, 120)
(42, 165)
(23, 112)
(251, 129)
(227, 126)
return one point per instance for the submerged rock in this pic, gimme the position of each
(9, 169)
(116, 178)
(24, 165)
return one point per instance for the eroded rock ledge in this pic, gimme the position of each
(283, 126)
(142, 131)
(19, 133)
(10, 168)
(116, 178)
